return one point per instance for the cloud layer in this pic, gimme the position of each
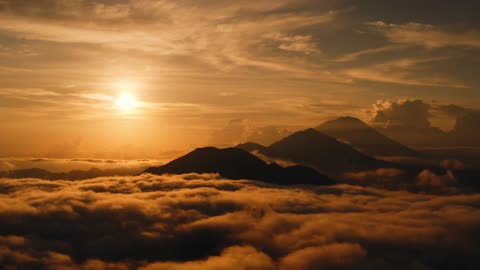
(204, 222)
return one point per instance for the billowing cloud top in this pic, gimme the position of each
(204, 222)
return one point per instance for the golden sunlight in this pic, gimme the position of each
(126, 102)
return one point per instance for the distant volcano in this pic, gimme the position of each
(234, 163)
(312, 148)
(364, 138)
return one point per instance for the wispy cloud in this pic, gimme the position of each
(403, 71)
(28, 92)
(372, 51)
(294, 43)
(426, 35)
(221, 37)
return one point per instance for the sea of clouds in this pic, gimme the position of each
(205, 222)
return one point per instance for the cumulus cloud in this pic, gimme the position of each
(334, 256)
(417, 113)
(414, 122)
(267, 135)
(452, 164)
(466, 129)
(383, 177)
(205, 222)
(429, 179)
(451, 110)
(411, 113)
(238, 131)
(232, 133)
(236, 257)
(418, 181)
(468, 123)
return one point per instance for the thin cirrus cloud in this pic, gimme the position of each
(399, 71)
(171, 29)
(295, 43)
(427, 35)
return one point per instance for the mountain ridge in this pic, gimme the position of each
(364, 137)
(325, 153)
(235, 163)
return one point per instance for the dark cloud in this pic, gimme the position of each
(417, 181)
(383, 177)
(167, 222)
(429, 179)
(452, 110)
(467, 129)
(468, 123)
(411, 113)
(410, 122)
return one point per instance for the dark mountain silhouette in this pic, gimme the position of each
(322, 152)
(363, 137)
(234, 163)
(251, 146)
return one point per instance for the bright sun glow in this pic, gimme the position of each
(125, 85)
(126, 102)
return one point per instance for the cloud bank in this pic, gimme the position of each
(205, 222)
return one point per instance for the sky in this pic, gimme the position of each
(129, 79)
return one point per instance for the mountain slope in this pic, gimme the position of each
(323, 152)
(363, 137)
(251, 146)
(236, 163)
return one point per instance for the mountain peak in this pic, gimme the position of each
(345, 122)
(363, 137)
(326, 153)
(235, 163)
(250, 146)
(310, 133)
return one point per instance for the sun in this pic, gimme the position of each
(126, 102)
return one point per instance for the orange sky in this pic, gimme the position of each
(218, 72)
